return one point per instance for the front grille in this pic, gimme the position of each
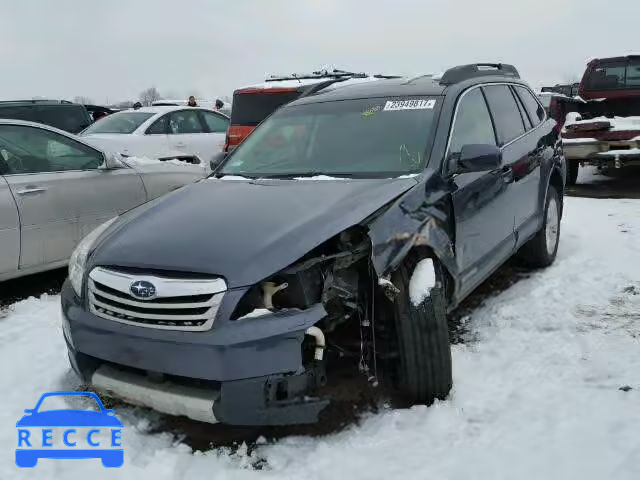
(187, 304)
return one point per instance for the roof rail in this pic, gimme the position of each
(35, 101)
(473, 70)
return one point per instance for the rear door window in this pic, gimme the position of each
(535, 110)
(633, 74)
(505, 112)
(249, 109)
(215, 123)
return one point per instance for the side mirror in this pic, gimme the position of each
(111, 162)
(479, 158)
(217, 159)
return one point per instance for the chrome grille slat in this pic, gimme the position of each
(109, 298)
(134, 303)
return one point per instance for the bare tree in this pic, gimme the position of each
(82, 100)
(150, 95)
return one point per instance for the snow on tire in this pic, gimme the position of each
(423, 340)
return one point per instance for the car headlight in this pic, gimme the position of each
(78, 260)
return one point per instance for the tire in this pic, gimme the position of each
(424, 370)
(541, 250)
(572, 171)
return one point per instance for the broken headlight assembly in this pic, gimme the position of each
(329, 274)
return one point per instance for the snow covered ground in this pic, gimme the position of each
(537, 390)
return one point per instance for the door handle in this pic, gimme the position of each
(31, 190)
(181, 144)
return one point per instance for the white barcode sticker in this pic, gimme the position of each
(393, 105)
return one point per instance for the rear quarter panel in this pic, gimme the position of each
(163, 178)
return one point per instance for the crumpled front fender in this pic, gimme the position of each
(420, 218)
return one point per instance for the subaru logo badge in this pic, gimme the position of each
(143, 290)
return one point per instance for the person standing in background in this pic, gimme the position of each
(192, 101)
(219, 105)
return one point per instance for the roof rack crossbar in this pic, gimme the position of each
(316, 75)
(473, 70)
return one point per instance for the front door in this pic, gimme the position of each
(484, 217)
(61, 191)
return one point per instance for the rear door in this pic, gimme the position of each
(9, 226)
(528, 175)
(483, 214)
(61, 192)
(216, 126)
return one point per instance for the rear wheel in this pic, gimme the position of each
(572, 171)
(541, 250)
(423, 341)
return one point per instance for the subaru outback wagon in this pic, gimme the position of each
(340, 232)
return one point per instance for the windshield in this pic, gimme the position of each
(367, 138)
(123, 122)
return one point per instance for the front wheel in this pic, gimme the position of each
(423, 340)
(541, 250)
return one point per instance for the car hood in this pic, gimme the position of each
(243, 231)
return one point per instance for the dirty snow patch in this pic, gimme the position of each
(233, 178)
(321, 177)
(258, 312)
(422, 281)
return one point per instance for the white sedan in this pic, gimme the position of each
(190, 134)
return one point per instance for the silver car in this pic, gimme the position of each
(55, 189)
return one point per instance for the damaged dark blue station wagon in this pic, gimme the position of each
(235, 299)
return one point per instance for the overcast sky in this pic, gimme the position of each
(111, 50)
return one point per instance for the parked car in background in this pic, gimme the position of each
(605, 128)
(71, 117)
(193, 135)
(568, 90)
(251, 105)
(226, 109)
(55, 188)
(338, 233)
(99, 111)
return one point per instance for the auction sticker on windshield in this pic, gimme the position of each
(392, 105)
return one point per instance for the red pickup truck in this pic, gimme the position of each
(604, 129)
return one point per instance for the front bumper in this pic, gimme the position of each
(249, 372)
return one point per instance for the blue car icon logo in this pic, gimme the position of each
(69, 434)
